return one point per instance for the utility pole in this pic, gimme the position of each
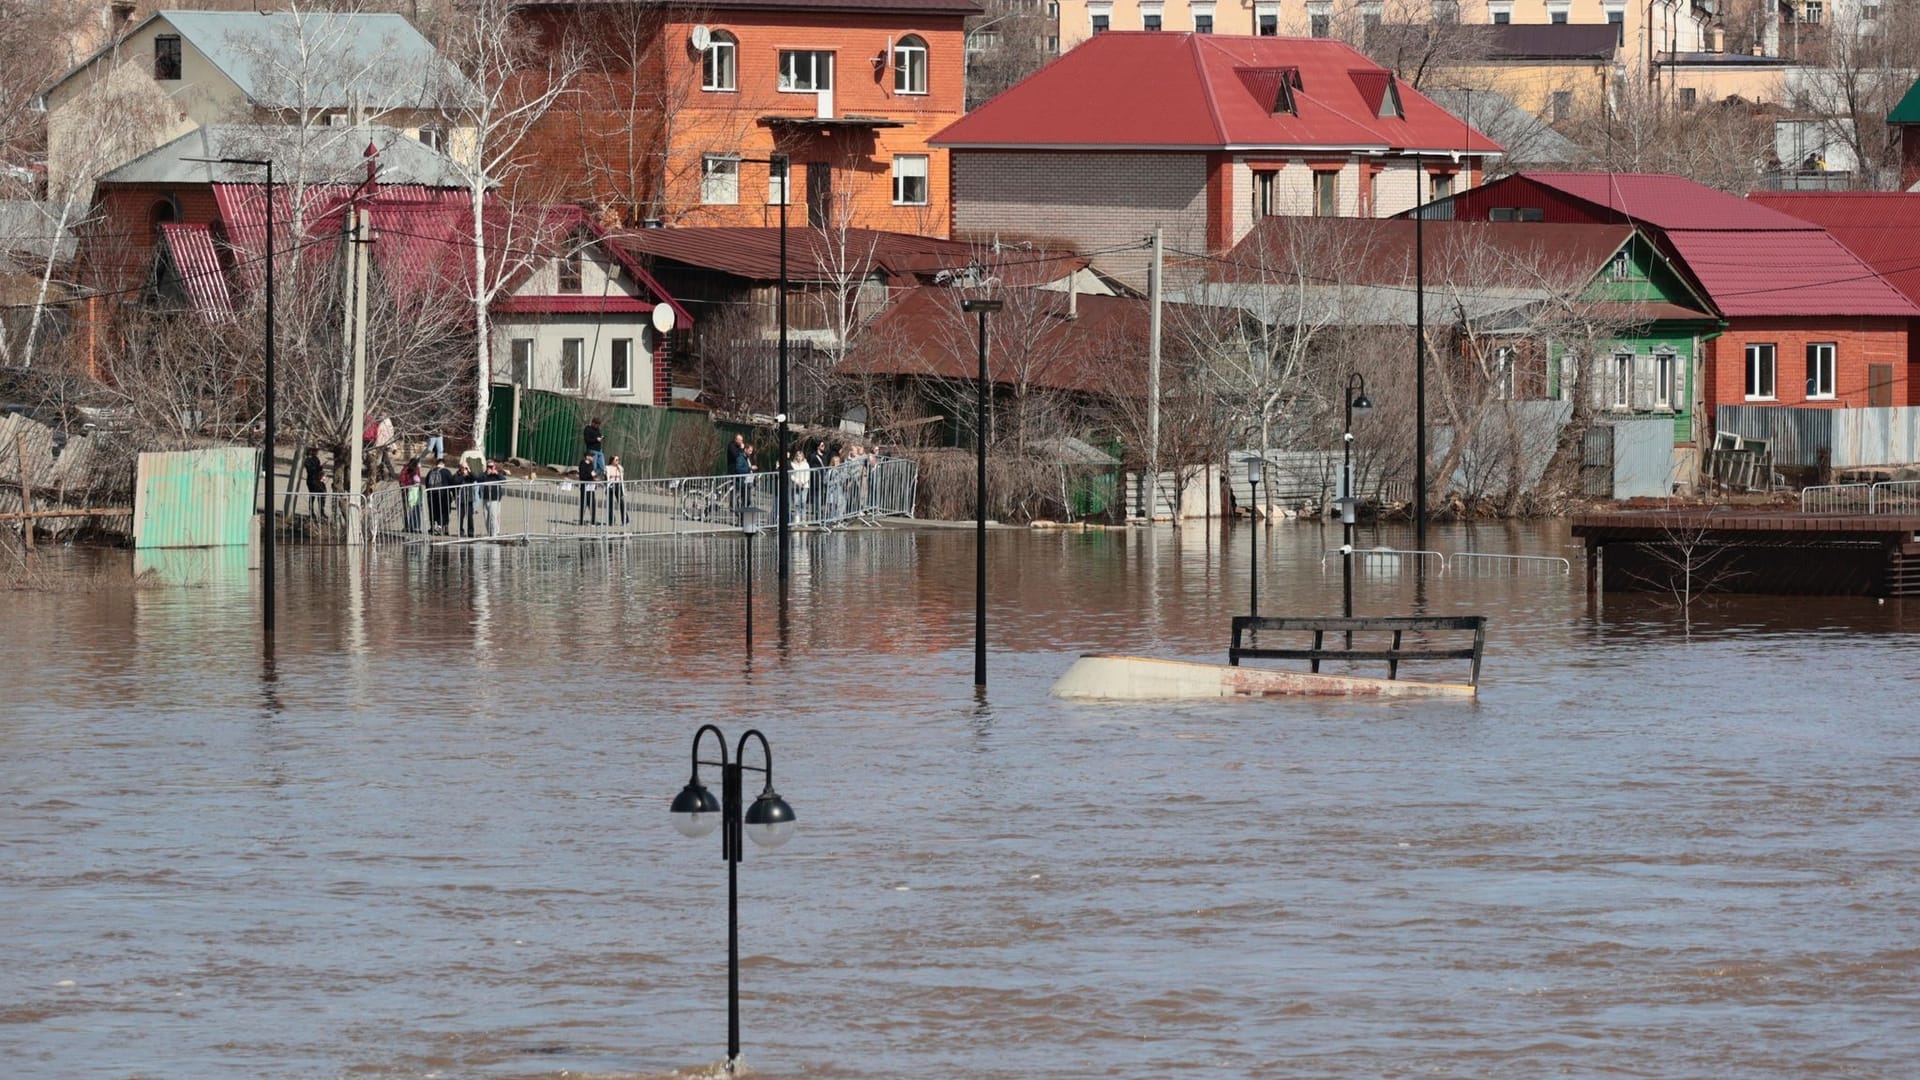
(1154, 290)
(362, 255)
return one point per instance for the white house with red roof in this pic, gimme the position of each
(1201, 136)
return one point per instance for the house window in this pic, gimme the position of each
(1503, 366)
(1530, 213)
(1557, 14)
(522, 364)
(1617, 18)
(1623, 380)
(910, 66)
(719, 64)
(166, 57)
(1266, 20)
(910, 179)
(568, 266)
(1150, 17)
(1562, 106)
(720, 179)
(1760, 372)
(777, 190)
(1665, 386)
(1500, 13)
(806, 70)
(1820, 364)
(1203, 18)
(1501, 213)
(1812, 11)
(1101, 21)
(1688, 97)
(1441, 186)
(1326, 194)
(1370, 16)
(434, 138)
(571, 352)
(1446, 11)
(1263, 198)
(620, 366)
(1320, 25)
(1620, 267)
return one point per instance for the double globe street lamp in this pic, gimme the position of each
(769, 822)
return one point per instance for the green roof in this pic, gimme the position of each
(1908, 111)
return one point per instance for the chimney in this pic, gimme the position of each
(1719, 39)
(1073, 295)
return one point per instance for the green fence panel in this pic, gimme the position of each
(642, 435)
(499, 422)
(196, 498)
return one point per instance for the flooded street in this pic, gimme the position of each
(432, 839)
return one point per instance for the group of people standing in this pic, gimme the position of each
(596, 469)
(443, 490)
(828, 496)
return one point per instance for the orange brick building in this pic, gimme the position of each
(667, 123)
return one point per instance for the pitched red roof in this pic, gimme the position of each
(1206, 91)
(1668, 202)
(925, 334)
(862, 7)
(753, 253)
(1785, 272)
(1882, 228)
(1380, 251)
(196, 258)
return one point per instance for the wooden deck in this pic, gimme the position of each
(1777, 552)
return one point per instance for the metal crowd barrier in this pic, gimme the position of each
(1884, 497)
(1393, 561)
(857, 492)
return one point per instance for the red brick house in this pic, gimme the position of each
(675, 98)
(1200, 135)
(1808, 322)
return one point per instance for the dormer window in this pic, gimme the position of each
(166, 57)
(1390, 101)
(568, 267)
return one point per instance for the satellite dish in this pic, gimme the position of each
(701, 37)
(663, 318)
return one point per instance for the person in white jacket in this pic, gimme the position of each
(798, 469)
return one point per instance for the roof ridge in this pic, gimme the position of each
(1206, 86)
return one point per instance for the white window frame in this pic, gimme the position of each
(520, 362)
(720, 179)
(1666, 380)
(573, 353)
(1823, 363)
(1155, 11)
(717, 75)
(1621, 399)
(620, 368)
(790, 71)
(780, 183)
(926, 184)
(1762, 359)
(1096, 12)
(1503, 372)
(1500, 13)
(1266, 11)
(910, 65)
(1200, 11)
(1558, 12)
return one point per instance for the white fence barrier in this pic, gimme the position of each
(1392, 561)
(1885, 497)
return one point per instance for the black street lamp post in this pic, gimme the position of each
(1256, 467)
(750, 528)
(267, 439)
(983, 308)
(784, 506)
(1349, 506)
(769, 821)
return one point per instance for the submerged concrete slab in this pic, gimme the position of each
(1141, 678)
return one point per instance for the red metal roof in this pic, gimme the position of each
(1882, 228)
(1205, 91)
(1668, 202)
(572, 305)
(1785, 272)
(925, 334)
(864, 7)
(197, 260)
(1380, 251)
(812, 255)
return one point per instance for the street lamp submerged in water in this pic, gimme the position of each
(1256, 471)
(1357, 403)
(769, 822)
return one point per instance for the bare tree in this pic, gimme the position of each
(1722, 144)
(1008, 41)
(1864, 67)
(1415, 39)
(512, 77)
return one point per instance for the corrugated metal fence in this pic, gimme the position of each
(195, 498)
(645, 437)
(1849, 438)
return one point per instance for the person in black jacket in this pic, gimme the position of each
(493, 484)
(596, 443)
(439, 496)
(316, 483)
(589, 506)
(740, 464)
(463, 494)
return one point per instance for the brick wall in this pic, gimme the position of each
(1859, 343)
(1084, 201)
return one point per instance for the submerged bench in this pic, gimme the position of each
(1396, 654)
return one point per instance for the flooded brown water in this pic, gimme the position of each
(432, 840)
